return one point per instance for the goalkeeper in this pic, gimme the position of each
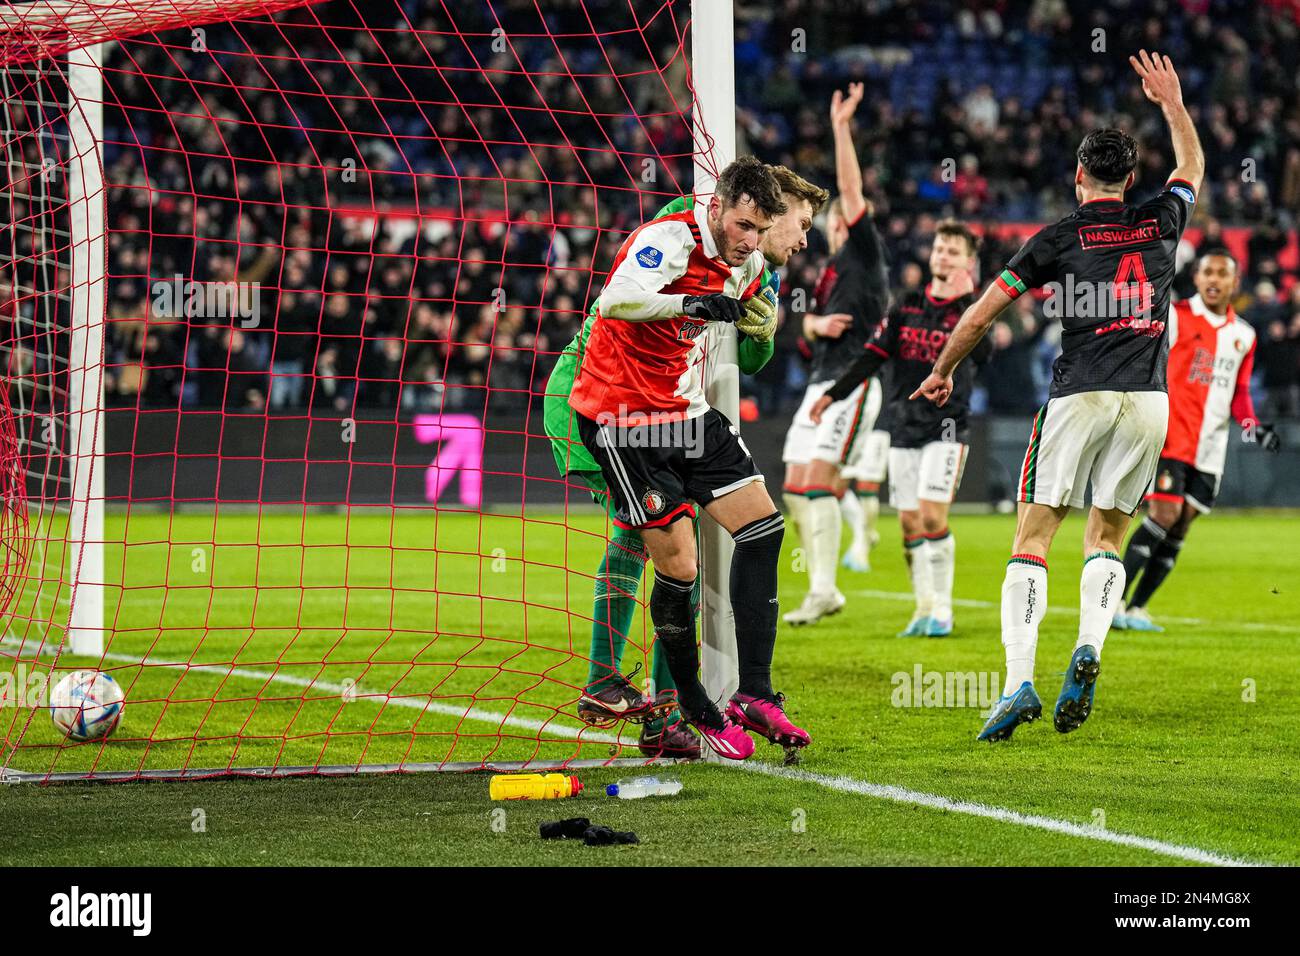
(609, 696)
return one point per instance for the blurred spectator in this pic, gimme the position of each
(470, 254)
(1279, 359)
(1010, 375)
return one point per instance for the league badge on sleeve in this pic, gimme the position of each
(650, 257)
(1185, 194)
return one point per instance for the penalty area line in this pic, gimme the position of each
(934, 801)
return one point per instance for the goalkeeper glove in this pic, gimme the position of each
(759, 320)
(714, 307)
(1266, 436)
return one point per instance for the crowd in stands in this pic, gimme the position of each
(228, 167)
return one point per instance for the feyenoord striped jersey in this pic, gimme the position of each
(1210, 362)
(634, 371)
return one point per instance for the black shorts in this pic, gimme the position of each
(1179, 481)
(654, 472)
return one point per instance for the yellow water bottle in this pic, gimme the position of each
(533, 786)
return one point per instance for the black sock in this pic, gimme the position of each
(1162, 562)
(1140, 548)
(673, 614)
(753, 599)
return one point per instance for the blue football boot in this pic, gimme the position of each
(918, 627)
(937, 628)
(1009, 712)
(1075, 703)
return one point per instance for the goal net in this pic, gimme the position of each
(281, 284)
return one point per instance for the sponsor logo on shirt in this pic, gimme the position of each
(650, 257)
(1202, 369)
(1110, 235)
(1151, 328)
(690, 331)
(916, 344)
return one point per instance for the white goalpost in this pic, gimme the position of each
(714, 81)
(53, 133)
(86, 196)
(284, 665)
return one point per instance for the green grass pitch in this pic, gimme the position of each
(362, 638)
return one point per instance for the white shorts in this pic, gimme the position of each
(842, 433)
(1111, 440)
(930, 473)
(872, 463)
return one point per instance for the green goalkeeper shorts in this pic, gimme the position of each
(561, 423)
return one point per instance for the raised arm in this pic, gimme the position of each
(1161, 86)
(848, 174)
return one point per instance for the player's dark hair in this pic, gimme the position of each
(1218, 251)
(794, 185)
(954, 227)
(749, 176)
(1108, 155)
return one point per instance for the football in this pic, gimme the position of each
(87, 705)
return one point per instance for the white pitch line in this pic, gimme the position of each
(474, 713)
(1197, 621)
(841, 783)
(935, 802)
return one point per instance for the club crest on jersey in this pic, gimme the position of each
(650, 257)
(1165, 482)
(653, 501)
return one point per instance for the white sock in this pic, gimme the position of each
(1024, 602)
(922, 577)
(796, 509)
(823, 543)
(942, 552)
(1101, 586)
(856, 519)
(871, 509)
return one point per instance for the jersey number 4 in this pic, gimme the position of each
(1132, 290)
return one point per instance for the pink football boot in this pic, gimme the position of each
(766, 716)
(729, 741)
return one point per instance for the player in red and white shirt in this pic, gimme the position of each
(1211, 355)
(641, 413)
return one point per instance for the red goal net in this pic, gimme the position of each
(293, 493)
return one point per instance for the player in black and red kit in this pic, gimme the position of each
(851, 297)
(1110, 267)
(927, 444)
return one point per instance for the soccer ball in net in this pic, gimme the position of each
(87, 705)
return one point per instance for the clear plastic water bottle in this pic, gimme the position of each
(634, 788)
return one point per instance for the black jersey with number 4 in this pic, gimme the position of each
(856, 282)
(910, 339)
(1109, 266)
